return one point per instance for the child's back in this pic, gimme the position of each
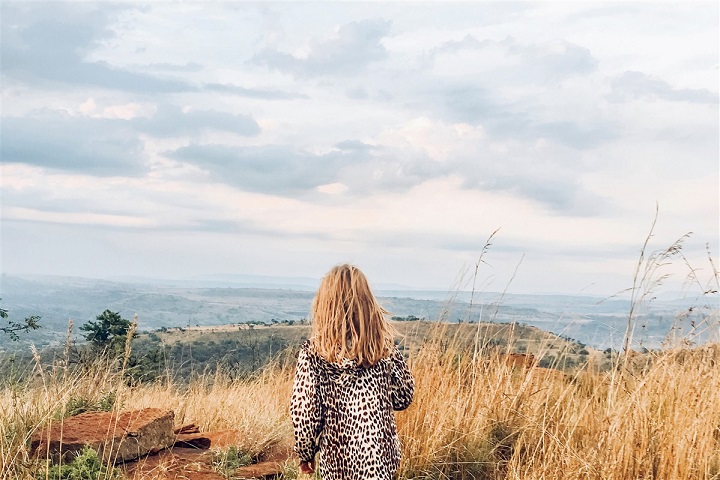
(344, 409)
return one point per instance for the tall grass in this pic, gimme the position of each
(471, 417)
(255, 407)
(651, 416)
(52, 394)
(487, 420)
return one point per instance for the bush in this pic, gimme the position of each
(225, 462)
(78, 405)
(86, 466)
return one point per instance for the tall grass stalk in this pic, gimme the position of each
(662, 422)
(647, 278)
(471, 418)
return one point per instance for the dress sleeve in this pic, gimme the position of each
(402, 383)
(306, 408)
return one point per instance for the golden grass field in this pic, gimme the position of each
(473, 417)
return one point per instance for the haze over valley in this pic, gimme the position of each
(221, 300)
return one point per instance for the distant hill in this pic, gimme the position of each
(240, 350)
(216, 300)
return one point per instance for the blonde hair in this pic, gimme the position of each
(347, 320)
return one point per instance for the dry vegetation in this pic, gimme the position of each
(472, 417)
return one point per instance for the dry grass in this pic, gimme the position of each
(477, 420)
(654, 416)
(254, 407)
(470, 419)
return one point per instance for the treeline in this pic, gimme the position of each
(238, 354)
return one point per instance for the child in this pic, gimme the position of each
(349, 379)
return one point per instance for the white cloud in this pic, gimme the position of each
(335, 188)
(440, 141)
(288, 136)
(127, 111)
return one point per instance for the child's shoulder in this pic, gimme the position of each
(309, 349)
(307, 346)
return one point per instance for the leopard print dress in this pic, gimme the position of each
(345, 411)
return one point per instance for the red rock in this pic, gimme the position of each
(224, 438)
(192, 440)
(189, 428)
(517, 360)
(117, 437)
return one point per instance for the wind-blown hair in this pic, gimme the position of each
(347, 321)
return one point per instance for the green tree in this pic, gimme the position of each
(12, 328)
(108, 332)
(148, 366)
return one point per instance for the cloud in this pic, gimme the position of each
(560, 196)
(633, 85)
(286, 171)
(171, 121)
(478, 106)
(357, 93)
(272, 169)
(382, 169)
(542, 172)
(253, 92)
(506, 85)
(355, 146)
(52, 47)
(356, 45)
(552, 61)
(103, 147)
(468, 42)
(538, 63)
(171, 67)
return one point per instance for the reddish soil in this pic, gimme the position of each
(180, 463)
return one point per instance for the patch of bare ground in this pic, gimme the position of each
(178, 463)
(194, 463)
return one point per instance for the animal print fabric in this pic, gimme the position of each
(345, 411)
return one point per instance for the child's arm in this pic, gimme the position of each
(306, 408)
(402, 383)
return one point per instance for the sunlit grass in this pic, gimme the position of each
(471, 418)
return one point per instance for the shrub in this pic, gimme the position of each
(225, 462)
(80, 404)
(86, 466)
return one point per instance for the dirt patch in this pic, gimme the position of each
(181, 463)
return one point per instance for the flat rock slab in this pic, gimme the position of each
(116, 436)
(187, 428)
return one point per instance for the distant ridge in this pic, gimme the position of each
(310, 284)
(211, 300)
(230, 280)
(251, 281)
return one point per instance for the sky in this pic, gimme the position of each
(179, 139)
